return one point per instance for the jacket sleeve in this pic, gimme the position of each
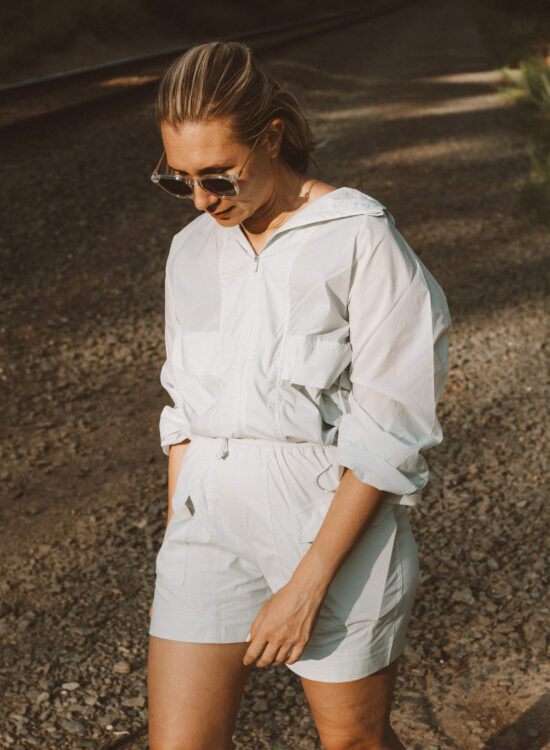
(399, 320)
(174, 420)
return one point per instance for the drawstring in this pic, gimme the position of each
(317, 480)
(224, 452)
(224, 448)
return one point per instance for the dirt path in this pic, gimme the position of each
(408, 107)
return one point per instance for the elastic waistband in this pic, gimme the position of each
(224, 446)
(270, 444)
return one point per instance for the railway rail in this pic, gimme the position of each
(27, 100)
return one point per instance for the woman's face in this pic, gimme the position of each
(211, 147)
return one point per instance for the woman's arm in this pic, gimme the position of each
(175, 426)
(175, 459)
(353, 507)
(288, 617)
(176, 453)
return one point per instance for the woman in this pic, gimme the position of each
(306, 351)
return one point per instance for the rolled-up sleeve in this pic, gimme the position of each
(174, 422)
(399, 320)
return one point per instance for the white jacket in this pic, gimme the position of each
(336, 333)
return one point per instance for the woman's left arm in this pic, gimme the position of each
(287, 618)
(399, 320)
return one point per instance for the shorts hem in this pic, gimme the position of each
(348, 668)
(229, 634)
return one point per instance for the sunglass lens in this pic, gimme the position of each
(218, 186)
(177, 187)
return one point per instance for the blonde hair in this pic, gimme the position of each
(223, 79)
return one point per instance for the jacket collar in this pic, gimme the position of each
(337, 204)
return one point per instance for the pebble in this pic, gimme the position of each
(70, 685)
(107, 720)
(121, 667)
(136, 702)
(75, 727)
(464, 596)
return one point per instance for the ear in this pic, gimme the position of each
(274, 137)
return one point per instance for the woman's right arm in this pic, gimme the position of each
(175, 421)
(176, 453)
(175, 459)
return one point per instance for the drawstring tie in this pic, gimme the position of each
(224, 452)
(224, 448)
(317, 480)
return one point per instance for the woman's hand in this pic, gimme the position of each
(286, 620)
(283, 623)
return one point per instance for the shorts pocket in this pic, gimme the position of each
(356, 592)
(179, 495)
(188, 524)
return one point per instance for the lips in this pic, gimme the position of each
(222, 213)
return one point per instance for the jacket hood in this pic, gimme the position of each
(337, 204)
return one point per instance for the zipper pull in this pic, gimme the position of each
(256, 260)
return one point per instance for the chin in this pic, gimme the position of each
(227, 221)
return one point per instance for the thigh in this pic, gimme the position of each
(195, 691)
(353, 712)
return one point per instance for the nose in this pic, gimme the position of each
(202, 198)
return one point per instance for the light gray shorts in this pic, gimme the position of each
(245, 511)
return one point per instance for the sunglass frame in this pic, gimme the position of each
(192, 181)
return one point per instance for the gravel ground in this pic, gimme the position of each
(409, 108)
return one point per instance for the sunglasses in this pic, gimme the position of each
(220, 185)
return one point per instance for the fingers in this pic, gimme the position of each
(295, 653)
(254, 650)
(284, 654)
(267, 654)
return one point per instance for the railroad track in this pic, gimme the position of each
(36, 98)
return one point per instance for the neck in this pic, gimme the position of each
(284, 200)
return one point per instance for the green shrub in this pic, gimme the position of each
(535, 79)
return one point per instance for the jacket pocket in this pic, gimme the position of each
(314, 361)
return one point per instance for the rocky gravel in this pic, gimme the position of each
(410, 113)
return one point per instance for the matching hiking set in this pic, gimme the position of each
(327, 350)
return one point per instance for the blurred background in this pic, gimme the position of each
(39, 37)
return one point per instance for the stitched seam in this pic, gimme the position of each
(279, 384)
(274, 536)
(400, 578)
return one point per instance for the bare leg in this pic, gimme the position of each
(195, 692)
(355, 714)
